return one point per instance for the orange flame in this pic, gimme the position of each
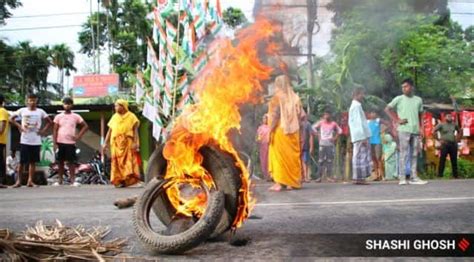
(231, 78)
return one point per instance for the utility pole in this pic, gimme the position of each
(92, 35)
(312, 16)
(98, 36)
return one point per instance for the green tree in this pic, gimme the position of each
(123, 30)
(63, 59)
(32, 67)
(89, 33)
(398, 42)
(469, 33)
(5, 6)
(439, 64)
(234, 17)
(7, 67)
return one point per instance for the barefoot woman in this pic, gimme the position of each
(124, 144)
(284, 153)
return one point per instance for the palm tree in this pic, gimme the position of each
(63, 59)
(32, 66)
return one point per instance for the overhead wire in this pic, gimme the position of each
(37, 28)
(47, 15)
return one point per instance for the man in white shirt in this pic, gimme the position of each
(31, 133)
(360, 135)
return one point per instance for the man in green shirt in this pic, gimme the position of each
(447, 136)
(409, 109)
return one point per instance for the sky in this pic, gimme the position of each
(73, 13)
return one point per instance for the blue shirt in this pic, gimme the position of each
(374, 126)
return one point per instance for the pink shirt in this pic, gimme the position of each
(67, 127)
(326, 131)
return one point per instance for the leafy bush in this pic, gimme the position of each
(465, 170)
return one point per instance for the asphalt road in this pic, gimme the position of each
(285, 225)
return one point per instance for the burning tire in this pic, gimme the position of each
(170, 242)
(225, 173)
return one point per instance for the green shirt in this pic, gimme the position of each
(446, 131)
(408, 108)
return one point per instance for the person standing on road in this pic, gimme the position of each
(65, 138)
(360, 135)
(390, 154)
(374, 123)
(449, 144)
(4, 126)
(263, 138)
(285, 113)
(32, 119)
(122, 137)
(409, 109)
(307, 140)
(328, 132)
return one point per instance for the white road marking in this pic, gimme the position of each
(366, 202)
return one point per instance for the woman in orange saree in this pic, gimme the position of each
(124, 145)
(284, 152)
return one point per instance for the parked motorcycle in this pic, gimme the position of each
(92, 172)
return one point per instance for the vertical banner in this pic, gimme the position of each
(428, 124)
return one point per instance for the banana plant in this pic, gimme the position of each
(46, 147)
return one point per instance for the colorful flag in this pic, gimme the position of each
(171, 50)
(183, 83)
(219, 10)
(159, 33)
(154, 81)
(161, 78)
(170, 32)
(199, 26)
(169, 77)
(164, 6)
(183, 18)
(186, 42)
(169, 82)
(185, 100)
(157, 127)
(215, 28)
(151, 55)
(200, 62)
(139, 88)
(167, 101)
(149, 111)
(186, 97)
(192, 37)
(155, 33)
(162, 62)
(184, 4)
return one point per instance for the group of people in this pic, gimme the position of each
(286, 140)
(366, 137)
(33, 123)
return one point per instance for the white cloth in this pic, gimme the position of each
(358, 122)
(31, 121)
(12, 165)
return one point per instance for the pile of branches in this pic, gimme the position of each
(58, 242)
